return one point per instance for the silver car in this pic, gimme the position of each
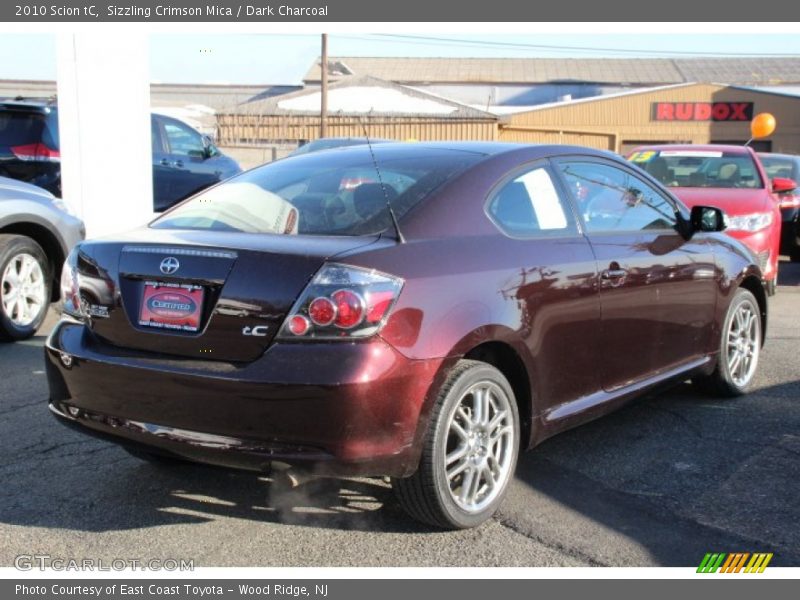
(36, 234)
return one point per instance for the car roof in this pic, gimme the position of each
(494, 148)
(42, 105)
(527, 152)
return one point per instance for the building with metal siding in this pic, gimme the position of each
(530, 81)
(621, 121)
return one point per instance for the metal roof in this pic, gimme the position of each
(215, 96)
(639, 71)
(404, 102)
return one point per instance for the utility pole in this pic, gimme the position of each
(323, 114)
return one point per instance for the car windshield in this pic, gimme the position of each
(321, 194)
(779, 166)
(699, 168)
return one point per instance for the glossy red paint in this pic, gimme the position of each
(574, 344)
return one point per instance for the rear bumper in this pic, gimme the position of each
(335, 408)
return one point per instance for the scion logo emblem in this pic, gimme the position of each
(169, 265)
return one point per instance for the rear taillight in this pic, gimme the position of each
(70, 288)
(790, 201)
(37, 151)
(342, 302)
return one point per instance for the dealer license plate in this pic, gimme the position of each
(172, 306)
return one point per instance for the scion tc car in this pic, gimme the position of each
(784, 171)
(731, 178)
(427, 325)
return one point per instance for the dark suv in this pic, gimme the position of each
(184, 160)
(29, 147)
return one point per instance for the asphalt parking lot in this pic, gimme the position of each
(661, 482)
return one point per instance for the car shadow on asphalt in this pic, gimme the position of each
(669, 476)
(672, 476)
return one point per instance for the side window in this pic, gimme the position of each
(611, 199)
(529, 205)
(183, 140)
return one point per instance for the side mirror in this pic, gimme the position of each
(707, 218)
(210, 148)
(781, 185)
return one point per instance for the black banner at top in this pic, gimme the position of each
(121, 11)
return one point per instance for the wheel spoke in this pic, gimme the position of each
(475, 486)
(465, 416)
(488, 477)
(495, 437)
(466, 484)
(22, 313)
(734, 363)
(456, 454)
(498, 418)
(481, 402)
(26, 268)
(11, 278)
(456, 428)
(458, 469)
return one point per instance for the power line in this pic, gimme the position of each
(428, 40)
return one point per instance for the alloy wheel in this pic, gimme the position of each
(479, 446)
(743, 344)
(23, 289)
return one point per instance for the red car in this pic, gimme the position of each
(460, 306)
(731, 178)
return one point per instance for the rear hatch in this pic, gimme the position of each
(209, 295)
(29, 145)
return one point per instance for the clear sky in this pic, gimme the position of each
(272, 58)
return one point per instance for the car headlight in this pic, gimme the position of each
(752, 222)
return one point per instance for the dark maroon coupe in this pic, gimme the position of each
(422, 311)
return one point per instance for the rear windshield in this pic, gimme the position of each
(18, 128)
(699, 168)
(320, 193)
(779, 166)
(326, 144)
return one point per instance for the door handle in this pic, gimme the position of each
(613, 274)
(178, 163)
(164, 162)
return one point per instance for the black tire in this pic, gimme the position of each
(721, 382)
(426, 496)
(12, 246)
